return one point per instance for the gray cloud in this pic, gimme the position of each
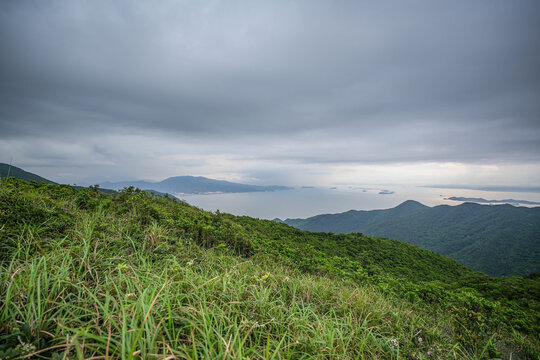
(308, 82)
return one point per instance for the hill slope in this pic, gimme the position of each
(192, 185)
(19, 173)
(86, 274)
(499, 240)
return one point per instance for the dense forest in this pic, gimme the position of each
(499, 240)
(87, 274)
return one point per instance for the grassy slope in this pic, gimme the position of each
(86, 274)
(500, 240)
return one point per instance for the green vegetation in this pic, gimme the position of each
(18, 173)
(85, 274)
(499, 240)
(13, 171)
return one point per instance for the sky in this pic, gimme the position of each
(273, 92)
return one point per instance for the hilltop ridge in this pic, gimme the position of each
(411, 204)
(16, 172)
(500, 240)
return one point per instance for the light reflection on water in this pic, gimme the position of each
(305, 202)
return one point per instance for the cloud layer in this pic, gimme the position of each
(239, 88)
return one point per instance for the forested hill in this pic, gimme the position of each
(6, 169)
(18, 173)
(85, 274)
(499, 240)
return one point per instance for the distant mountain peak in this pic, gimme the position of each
(186, 184)
(408, 204)
(500, 240)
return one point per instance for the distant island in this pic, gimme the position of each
(531, 189)
(192, 185)
(484, 201)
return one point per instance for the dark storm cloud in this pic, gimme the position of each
(332, 81)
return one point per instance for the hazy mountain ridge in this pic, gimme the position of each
(172, 185)
(531, 189)
(485, 201)
(500, 240)
(192, 185)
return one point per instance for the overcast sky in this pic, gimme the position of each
(283, 92)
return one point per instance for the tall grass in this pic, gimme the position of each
(83, 301)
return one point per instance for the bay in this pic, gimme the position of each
(310, 201)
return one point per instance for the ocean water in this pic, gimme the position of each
(305, 202)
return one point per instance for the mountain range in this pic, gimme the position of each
(172, 185)
(192, 185)
(485, 201)
(499, 240)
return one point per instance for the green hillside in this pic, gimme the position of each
(499, 240)
(85, 274)
(19, 173)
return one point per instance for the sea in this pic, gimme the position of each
(302, 202)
